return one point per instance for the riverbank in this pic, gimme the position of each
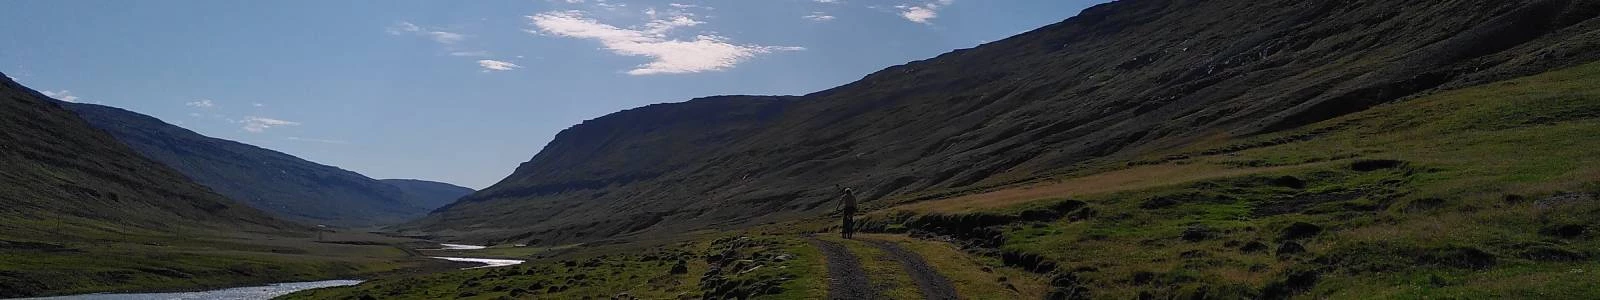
(239, 293)
(152, 263)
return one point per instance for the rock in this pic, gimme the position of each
(1196, 233)
(681, 268)
(1551, 253)
(1459, 257)
(1254, 247)
(1288, 182)
(1369, 165)
(1566, 231)
(1300, 230)
(1290, 248)
(1143, 277)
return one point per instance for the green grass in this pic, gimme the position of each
(143, 263)
(640, 273)
(1460, 216)
(1467, 210)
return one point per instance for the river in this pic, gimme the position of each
(279, 289)
(243, 293)
(487, 262)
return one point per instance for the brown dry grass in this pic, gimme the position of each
(1134, 178)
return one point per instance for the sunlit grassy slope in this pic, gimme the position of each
(1488, 191)
(1484, 192)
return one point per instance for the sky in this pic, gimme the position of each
(464, 91)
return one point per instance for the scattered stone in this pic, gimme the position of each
(1300, 230)
(1288, 182)
(1460, 257)
(1290, 248)
(1254, 247)
(1566, 231)
(681, 268)
(1143, 277)
(1370, 165)
(1551, 253)
(1196, 233)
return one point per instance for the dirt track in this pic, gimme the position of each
(929, 281)
(846, 279)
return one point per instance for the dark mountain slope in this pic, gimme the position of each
(279, 183)
(430, 195)
(1119, 80)
(60, 173)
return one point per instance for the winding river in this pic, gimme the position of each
(280, 289)
(487, 262)
(242, 293)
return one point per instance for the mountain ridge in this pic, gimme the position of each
(83, 177)
(1145, 75)
(273, 181)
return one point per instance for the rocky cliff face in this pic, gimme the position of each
(1116, 81)
(60, 175)
(282, 184)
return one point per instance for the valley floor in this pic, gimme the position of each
(160, 263)
(1484, 192)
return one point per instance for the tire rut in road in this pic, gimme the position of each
(929, 281)
(846, 279)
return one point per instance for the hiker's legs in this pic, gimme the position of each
(849, 226)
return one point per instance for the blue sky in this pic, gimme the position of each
(463, 91)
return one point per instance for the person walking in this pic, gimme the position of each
(847, 210)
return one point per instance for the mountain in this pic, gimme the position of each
(429, 194)
(61, 173)
(282, 184)
(1119, 80)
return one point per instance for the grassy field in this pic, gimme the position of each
(1485, 192)
(1482, 192)
(142, 262)
(727, 266)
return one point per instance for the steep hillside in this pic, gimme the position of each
(1115, 82)
(272, 181)
(430, 195)
(80, 212)
(59, 171)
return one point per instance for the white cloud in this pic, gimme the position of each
(439, 36)
(924, 13)
(495, 65)
(258, 105)
(324, 141)
(63, 95)
(818, 17)
(259, 124)
(704, 52)
(202, 103)
(827, 1)
(476, 53)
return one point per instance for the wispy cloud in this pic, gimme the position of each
(439, 36)
(477, 53)
(702, 53)
(324, 141)
(260, 124)
(818, 17)
(924, 13)
(495, 65)
(202, 103)
(63, 95)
